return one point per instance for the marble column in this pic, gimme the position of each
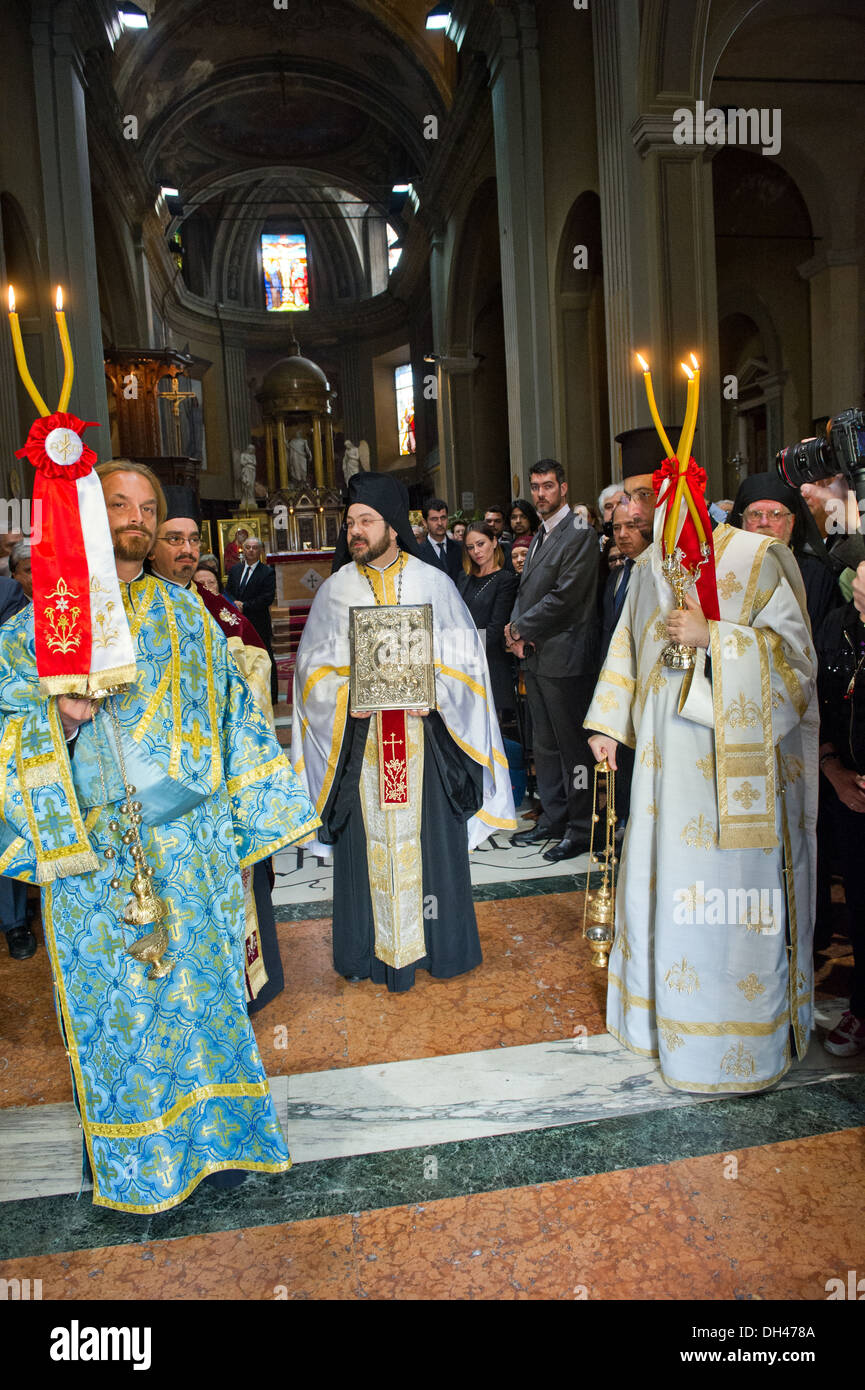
(615, 42)
(834, 280)
(282, 451)
(679, 261)
(70, 255)
(237, 404)
(270, 461)
(317, 455)
(516, 103)
(446, 482)
(350, 395)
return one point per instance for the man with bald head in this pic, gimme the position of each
(252, 586)
(168, 1081)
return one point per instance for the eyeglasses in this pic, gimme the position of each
(175, 540)
(643, 493)
(760, 516)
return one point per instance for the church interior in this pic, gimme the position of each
(297, 240)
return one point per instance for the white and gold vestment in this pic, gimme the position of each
(711, 967)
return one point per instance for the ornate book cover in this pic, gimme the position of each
(391, 657)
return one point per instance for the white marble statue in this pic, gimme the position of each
(350, 461)
(247, 467)
(299, 457)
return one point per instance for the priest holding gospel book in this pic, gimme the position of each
(396, 738)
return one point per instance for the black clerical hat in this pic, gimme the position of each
(181, 501)
(385, 495)
(642, 450)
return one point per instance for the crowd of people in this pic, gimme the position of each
(546, 584)
(567, 623)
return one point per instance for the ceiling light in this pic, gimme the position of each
(132, 16)
(439, 17)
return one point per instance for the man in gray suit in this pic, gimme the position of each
(554, 628)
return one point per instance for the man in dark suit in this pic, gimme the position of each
(554, 628)
(438, 549)
(252, 586)
(630, 538)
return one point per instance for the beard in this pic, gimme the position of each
(130, 546)
(371, 550)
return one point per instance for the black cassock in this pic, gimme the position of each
(452, 793)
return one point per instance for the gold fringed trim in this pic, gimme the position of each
(42, 774)
(115, 675)
(64, 685)
(84, 862)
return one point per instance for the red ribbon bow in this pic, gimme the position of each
(689, 541)
(34, 449)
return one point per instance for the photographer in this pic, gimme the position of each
(841, 683)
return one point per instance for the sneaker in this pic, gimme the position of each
(847, 1038)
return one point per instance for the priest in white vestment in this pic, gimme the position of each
(402, 889)
(711, 966)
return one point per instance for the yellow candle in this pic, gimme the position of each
(683, 454)
(20, 359)
(656, 419)
(68, 365)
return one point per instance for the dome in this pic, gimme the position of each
(294, 374)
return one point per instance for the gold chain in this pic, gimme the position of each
(363, 570)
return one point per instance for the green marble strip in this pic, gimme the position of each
(365, 1182)
(481, 893)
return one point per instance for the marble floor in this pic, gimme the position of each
(483, 1138)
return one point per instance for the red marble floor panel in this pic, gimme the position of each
(787, 1222)
(536, 982)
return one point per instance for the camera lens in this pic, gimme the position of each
(805, 462)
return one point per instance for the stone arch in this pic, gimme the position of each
(117, 296)
(582, 408)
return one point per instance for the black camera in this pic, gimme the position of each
(840, 450)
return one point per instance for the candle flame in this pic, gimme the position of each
(695, 363)
(11, 300)
(687, 370)
(642, 361)
(59, 300)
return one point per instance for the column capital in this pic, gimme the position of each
(828, 258)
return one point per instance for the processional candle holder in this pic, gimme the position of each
(143, 906)
(678, 656)
(599, 904)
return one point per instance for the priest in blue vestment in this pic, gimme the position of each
(167, 1075)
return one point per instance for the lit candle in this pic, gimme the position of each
(68, 366)
(20, 359)
(656, 419)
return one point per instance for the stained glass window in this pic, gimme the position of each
(402, 380)
(393, 252)
(286, 278)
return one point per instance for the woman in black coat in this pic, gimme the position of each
(488, 591)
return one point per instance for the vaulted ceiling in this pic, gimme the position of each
(254, 112)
